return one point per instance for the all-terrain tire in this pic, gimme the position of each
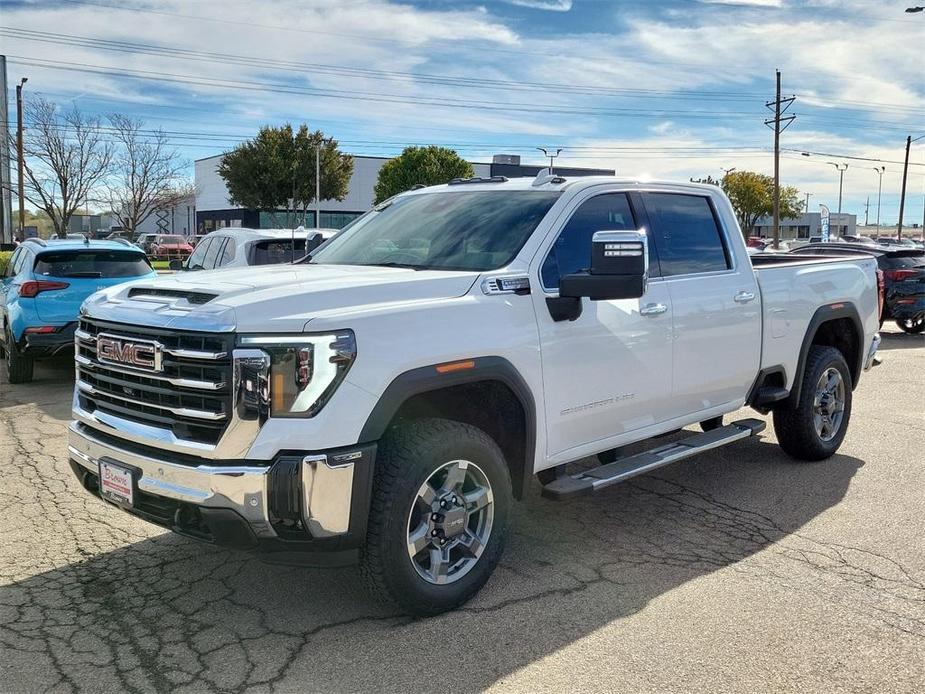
(408, 456)
(795, 426)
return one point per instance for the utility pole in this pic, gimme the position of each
(552, 157)
(866, 209)
(806, 208)
(902, 195)
(20, 160)
(880, 170)
(780, 123)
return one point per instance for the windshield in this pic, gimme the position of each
(474, 231)
(171, 239)
(92, 263)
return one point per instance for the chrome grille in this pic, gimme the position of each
(191, 396)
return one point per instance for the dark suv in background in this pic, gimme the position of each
(903, 272)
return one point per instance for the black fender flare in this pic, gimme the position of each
(426, 379)
(824, 314)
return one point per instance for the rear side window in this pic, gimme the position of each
(571, 251)
(91, 263)
(276, 252)
(686, 234)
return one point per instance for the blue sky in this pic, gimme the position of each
(662, 89)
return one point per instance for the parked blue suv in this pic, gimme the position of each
(43, 288)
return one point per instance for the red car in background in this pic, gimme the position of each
(170, 247)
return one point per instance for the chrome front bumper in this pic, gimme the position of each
(324, 489)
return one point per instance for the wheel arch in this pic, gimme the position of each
(834, 325)
(487, 392)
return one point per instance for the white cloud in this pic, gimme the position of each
(550, 5)
(745, 3)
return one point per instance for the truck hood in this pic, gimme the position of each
(270, 298)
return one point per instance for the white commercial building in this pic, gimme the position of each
(807, 225)
(214, 211)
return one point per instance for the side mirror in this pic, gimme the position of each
(619, 268)
(175, 265)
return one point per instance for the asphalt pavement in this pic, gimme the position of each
(738, 571)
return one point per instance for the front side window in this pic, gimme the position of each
(686, 234)
(91, 263)
(572, 250)
(446, 230)
(213, 253)
(197, 259)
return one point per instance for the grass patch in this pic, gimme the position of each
(160, 264)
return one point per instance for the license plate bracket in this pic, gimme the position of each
(118, 482)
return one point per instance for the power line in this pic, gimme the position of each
(429, 78)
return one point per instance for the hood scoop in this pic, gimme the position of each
(194, 298)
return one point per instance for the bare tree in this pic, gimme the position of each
(146, 173)
(65, 156)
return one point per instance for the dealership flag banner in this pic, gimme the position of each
(825, 223)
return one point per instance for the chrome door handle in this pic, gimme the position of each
(652, 309)
(743, 297)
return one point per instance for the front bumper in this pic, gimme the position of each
(300, 504)
(49, 344)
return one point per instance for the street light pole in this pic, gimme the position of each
(552, 157)
(841, 178)
(880, 170)
(19, 158)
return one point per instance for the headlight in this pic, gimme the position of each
(305, 370)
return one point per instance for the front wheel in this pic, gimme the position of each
(438, 515)
(913, 326)
(816, 427)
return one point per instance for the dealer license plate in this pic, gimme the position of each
(116, 483)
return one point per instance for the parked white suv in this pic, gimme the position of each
(386, 401)
(240, 247)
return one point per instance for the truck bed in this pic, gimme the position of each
(793, 287)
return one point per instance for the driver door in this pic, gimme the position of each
(608, 372)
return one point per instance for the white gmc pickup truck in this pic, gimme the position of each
(386, 398)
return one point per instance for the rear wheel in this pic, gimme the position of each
(19, 367)
(913, 326)
(815, 428)
(438, 515)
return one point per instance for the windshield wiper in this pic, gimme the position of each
(408, 266)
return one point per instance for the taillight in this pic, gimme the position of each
(900, 275)
(33, 288)
(881, 292)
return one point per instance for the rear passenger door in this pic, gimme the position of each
(714, 297)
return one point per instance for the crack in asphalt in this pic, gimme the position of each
(107, 602)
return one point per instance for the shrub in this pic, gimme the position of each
(5, 260)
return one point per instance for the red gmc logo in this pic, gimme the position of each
(140, 354)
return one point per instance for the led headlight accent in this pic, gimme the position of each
(305, 370)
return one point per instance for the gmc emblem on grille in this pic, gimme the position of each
(140, 354)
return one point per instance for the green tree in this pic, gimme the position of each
(276, 170)
(427, 166)
(752, 197)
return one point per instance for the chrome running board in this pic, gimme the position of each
(597, 478)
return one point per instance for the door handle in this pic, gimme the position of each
(743, 297)
(652, 309)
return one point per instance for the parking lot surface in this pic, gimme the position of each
(740, 570)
